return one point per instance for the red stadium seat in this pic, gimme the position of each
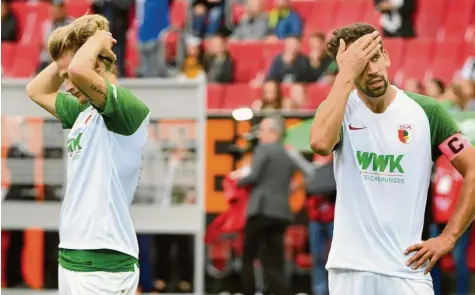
(247, 60)
(26, 60)
(77, 8)
(237, 96)
(296, 237)
(417, 56)
(22, 12)
(395, 48)
(457, 18)
(349, 12)
(443, 65)
(215, 96)
(304, 261)
(8, 57)
(429, 17)
(132, 59)
(178, 12)
(322, 17)
(316, 94)
(304, 8)
(42, 16)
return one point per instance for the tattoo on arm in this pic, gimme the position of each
(101, 90)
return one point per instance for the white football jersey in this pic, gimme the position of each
(104, 163)
(383, 167)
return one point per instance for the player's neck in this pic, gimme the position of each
(380, 104)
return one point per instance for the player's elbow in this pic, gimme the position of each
(77, 73)
(321, 146)
(32, 91)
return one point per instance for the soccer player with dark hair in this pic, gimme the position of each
(385, 141)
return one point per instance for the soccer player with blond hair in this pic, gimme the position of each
(98, 250)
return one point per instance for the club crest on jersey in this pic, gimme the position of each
(405, 133)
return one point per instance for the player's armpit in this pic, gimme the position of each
(123, 112)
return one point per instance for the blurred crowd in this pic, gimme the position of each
(195, 39)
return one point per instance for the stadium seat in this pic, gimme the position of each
(316, 94)
(247, 60)
(22, 12)
(348, 12)
(304, 8)
(238, 96)
(178, 12)
(303, 261)
(457, 18)
(395, 48)
(8, 57)
(444, 64)
(41, 13)
(429, 17)
(26, 60)
(417, 56)
(215, 96)
(78, 8)
(132, 59)
(321, 18)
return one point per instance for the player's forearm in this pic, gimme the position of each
(85, 59)
(464, 213)
(46, 82)
(326, 125)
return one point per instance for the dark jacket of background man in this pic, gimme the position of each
(268, 213)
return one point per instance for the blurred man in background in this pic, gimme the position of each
(268, 212)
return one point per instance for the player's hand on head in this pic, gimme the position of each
(429, 251)
(352, 60)
(107, 43)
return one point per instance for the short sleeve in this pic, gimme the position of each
(124, 112)
(442, 126)
(68, 109)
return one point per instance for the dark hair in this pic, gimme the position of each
(277, 103)
(349, 34)
(439, 84)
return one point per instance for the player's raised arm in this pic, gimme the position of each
(448, 141)
(43, 88)
(95, 53)
(352, 60)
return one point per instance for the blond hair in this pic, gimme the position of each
(74, 35)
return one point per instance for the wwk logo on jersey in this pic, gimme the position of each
(381, 168)
(405, 133)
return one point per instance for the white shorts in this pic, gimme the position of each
(344, 282)
(98, 282)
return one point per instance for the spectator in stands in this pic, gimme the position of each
(321, 212)
(397, 17)
(284, 21)
(297, 97)
(117, 12)
(271, 98)
(291, 66)
(59, 19)
(253, 25)
(207, 17)
(152, 16)
(435, 88)
(9, 24)
(217, 61)
(319, 59)
(192, 65)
